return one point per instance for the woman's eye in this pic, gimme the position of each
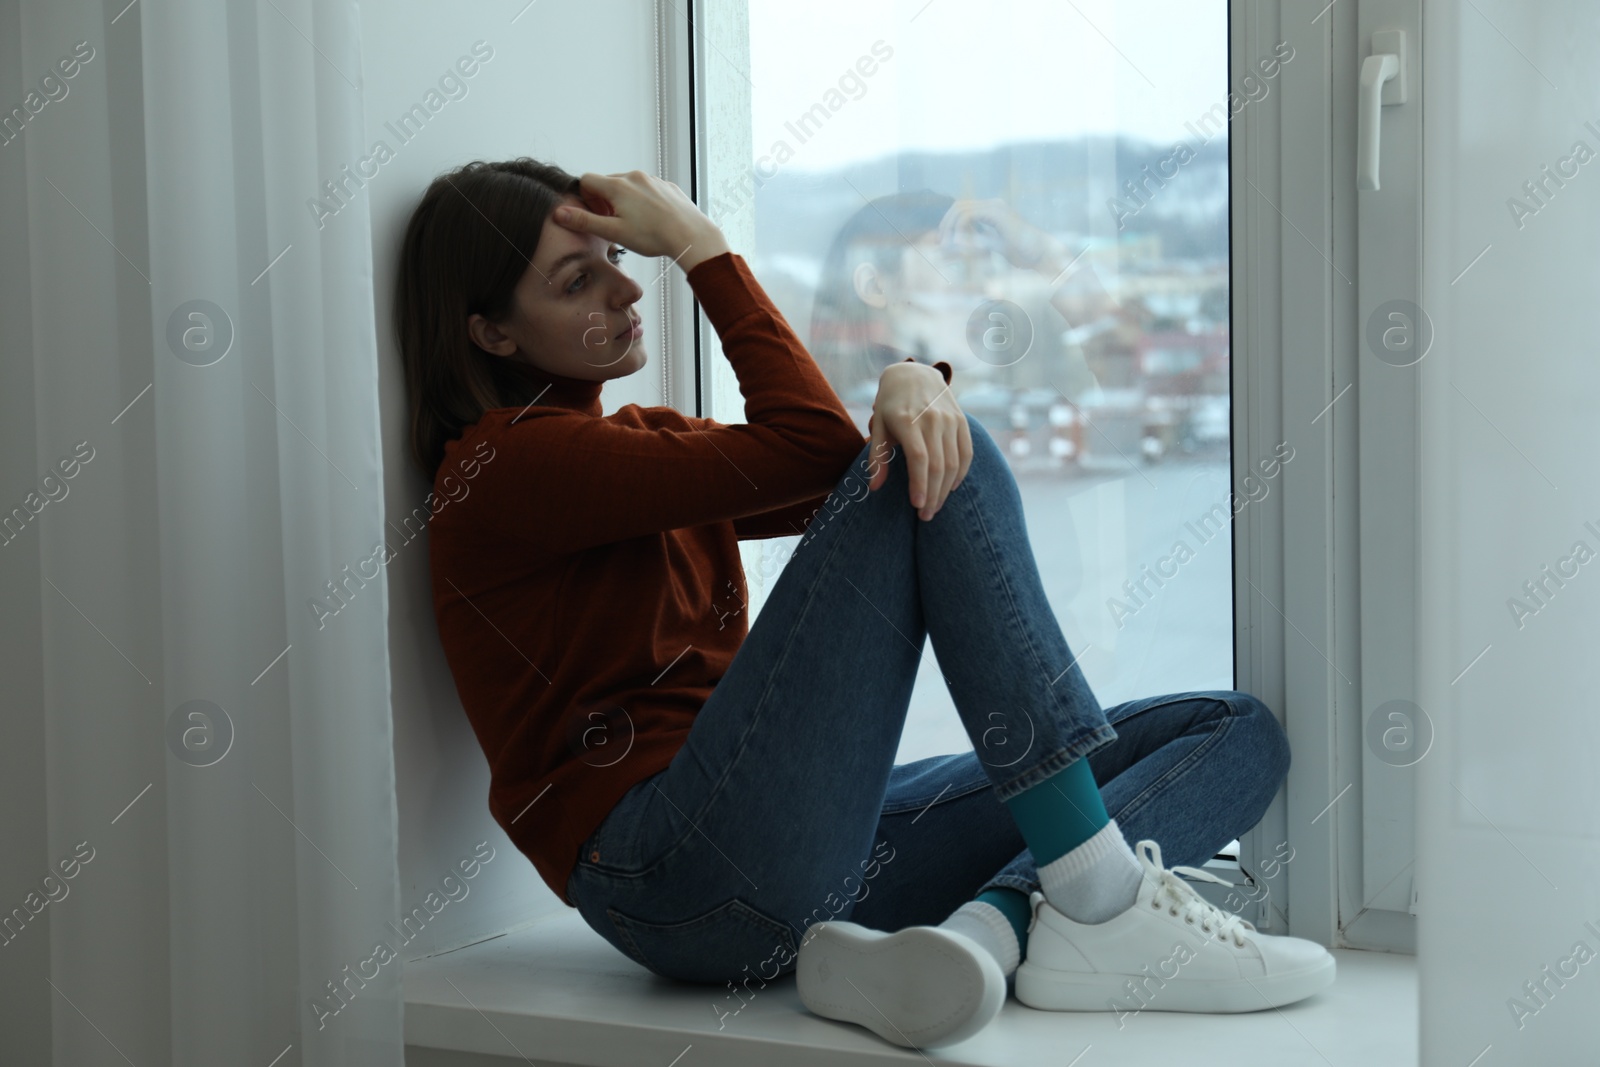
(614, 255)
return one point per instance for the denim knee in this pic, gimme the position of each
(1272, 743)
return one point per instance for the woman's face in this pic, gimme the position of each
(925, 303)
(572, 311)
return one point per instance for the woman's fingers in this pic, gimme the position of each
(614, 208)
(918, 460)
(952, 460)
(643, 214)
(964, 445)
(935, 481)
(951, 440)
(597, 190)
(933, 467)
(602, 186)
(608, 226)
(916, 467)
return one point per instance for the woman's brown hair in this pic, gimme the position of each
(468, 243)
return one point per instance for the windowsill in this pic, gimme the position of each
(557, 993)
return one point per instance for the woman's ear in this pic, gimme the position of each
(489, 337)
(867, 281)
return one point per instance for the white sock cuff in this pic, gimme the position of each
(990, 920)
(1107, 840)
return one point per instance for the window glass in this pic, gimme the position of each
(1036, 192)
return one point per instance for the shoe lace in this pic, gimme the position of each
(1180, 898)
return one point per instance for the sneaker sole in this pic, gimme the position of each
(920, 987)
(1052, 990)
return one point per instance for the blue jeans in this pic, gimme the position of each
(784, 806)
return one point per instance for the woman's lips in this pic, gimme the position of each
(633, 332)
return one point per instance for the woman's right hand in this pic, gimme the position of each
(644, 214)
(916, 410)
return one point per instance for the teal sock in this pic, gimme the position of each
(1014, 905)
(1060, 813)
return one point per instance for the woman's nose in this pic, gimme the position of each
(630, 290)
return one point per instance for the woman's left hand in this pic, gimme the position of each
(916, 410)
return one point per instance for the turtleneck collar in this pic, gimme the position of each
(558, 390)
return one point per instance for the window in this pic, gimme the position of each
(1037, 193)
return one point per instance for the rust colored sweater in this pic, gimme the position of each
(586, 574)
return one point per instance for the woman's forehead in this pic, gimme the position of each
(556, 242)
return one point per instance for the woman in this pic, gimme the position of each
(705, 792)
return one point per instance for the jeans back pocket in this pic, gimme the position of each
(731, 942)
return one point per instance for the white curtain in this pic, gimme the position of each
(1508, 821)
(198, 855)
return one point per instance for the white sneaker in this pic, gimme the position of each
(920, 987)
(1171, 951)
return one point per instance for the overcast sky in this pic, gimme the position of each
(976, 73)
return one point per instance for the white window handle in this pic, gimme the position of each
(1383, 81)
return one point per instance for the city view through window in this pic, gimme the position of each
(1038, 194)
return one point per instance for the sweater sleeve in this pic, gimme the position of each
(788, 521)
(793, 519)
(568, 481)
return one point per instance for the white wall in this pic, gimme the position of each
(572, 84)
(1508, 820)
